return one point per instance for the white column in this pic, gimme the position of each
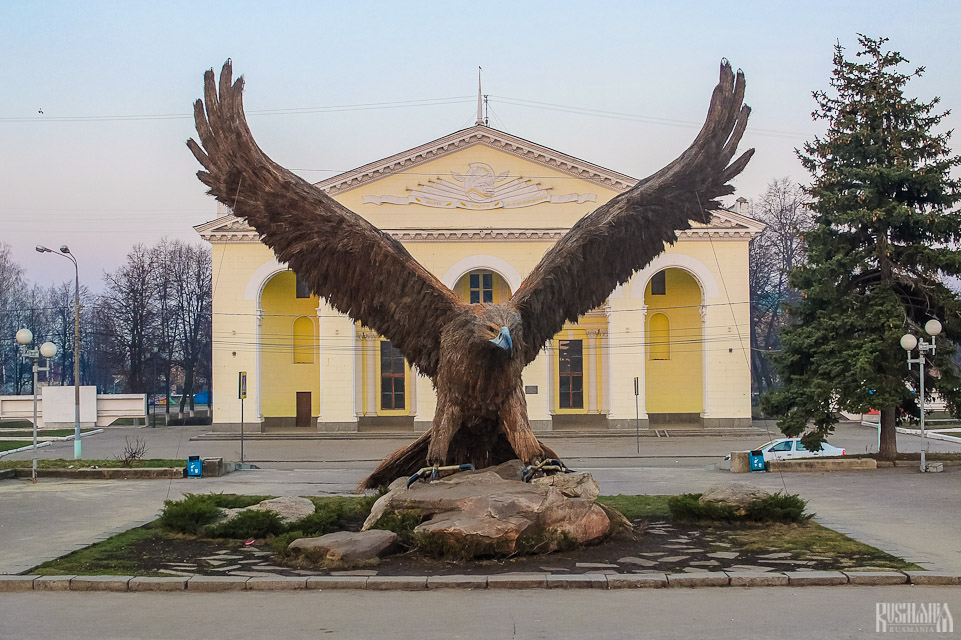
(590, 386)
(705, 364)
(258, 408)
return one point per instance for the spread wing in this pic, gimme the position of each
(607, 246)
(360, 270)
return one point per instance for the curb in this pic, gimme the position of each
(602, 581)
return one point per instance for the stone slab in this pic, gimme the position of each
(217, 583)
(706, 579)
(100, 583)
(53, 583)
(518, 581)
(150, 583)
(876, 577)
(757, 579)
(577, 581)
(337, 582)
(823, 464)
(397, 583)
(279, 583)
(457, 582)
(635, 581)
(16, 583)
(934, 577)
(815, 578)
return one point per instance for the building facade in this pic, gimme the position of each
(479, 208)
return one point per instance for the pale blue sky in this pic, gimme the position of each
(102, 184)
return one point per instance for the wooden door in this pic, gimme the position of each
(303, 408)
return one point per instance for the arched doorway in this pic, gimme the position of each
(289, 361)
(675, 348)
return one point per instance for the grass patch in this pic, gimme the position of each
(809, 538)
(41, 433)
(954, 432)
(9, 445)
(637, 507)
(109, 557)
(61, 463)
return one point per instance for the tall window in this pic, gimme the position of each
(659, 284)
(570, 367)
(303, 291)
(660, 337)
(481, 287)
(303, 341)
(391, 377)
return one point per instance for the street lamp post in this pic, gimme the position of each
(65, 252)
(908, 343)
(47, 350)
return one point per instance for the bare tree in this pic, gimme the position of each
(773, 255)
(11, 290)
(126, 312)
(191, 279)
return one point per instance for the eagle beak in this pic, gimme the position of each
(503, 340)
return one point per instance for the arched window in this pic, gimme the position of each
(659, 337)
(303, 341)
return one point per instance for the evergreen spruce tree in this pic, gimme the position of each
(884, 240)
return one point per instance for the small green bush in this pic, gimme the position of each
(279, 544)
(189, 515)
(248, 524)
(334, 514)
(686, 508)
(401, 523)
(235, 501)
(778, 507)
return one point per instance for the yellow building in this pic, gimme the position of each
(479, 208)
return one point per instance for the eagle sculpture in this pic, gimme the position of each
(473, 353)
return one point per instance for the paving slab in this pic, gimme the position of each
(874, 578)
(637, 581)
(757, 579)
(397, 583)
(815, 578)
(53, 583)
(153, 583)
(337, 582)
(279, 583)
(100, 583)
(17, 583)
(706, 579)
(216, 583)
(457, 582)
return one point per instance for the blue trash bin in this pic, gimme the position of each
(757, 461)
(195, 467)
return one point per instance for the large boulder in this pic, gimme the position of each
(738, 494)
(347, 547)
(484, 513)
(287, 508)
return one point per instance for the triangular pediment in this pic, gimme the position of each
(466, 138)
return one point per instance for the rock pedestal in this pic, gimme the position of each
(488, 513)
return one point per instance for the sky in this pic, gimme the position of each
(334, 85)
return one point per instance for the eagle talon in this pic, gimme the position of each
(546, 467)
(434, 472)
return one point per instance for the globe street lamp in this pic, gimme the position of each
(47, 350)
(908, 343)
(65, 252)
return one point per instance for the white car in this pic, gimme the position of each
(790, 448)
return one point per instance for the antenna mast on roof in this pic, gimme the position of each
(481, 99)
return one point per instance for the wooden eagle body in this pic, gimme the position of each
(473, 353)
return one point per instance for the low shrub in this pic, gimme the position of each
(248, 524)
(189, 515)
(778, 507)
(279, 544)
(235, 501)
(334, 514)
(401, 523)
